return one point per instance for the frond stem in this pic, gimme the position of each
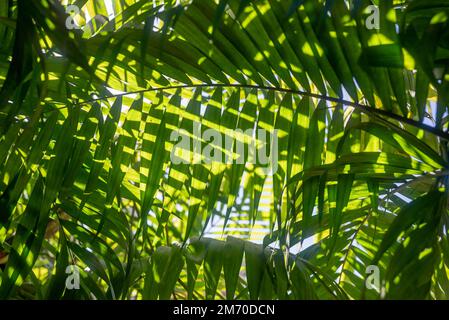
(363, 108)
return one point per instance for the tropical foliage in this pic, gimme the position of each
(89, 103)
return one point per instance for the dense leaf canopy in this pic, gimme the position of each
(90, 102)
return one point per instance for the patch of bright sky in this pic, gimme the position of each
(109, 8)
